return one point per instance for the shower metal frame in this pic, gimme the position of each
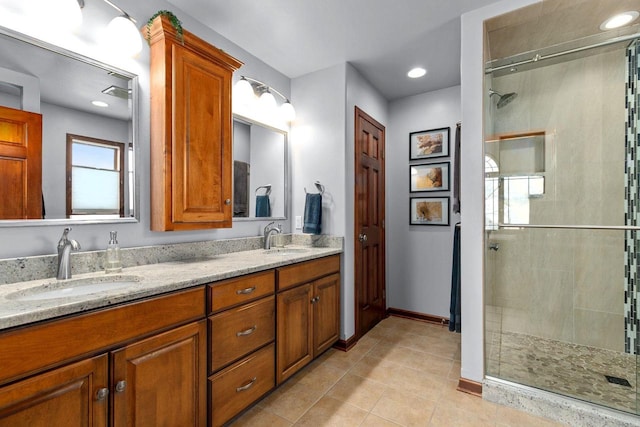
(537, 57)
(571, 227)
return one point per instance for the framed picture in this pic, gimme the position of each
(431, 177)
(429, 211)
(429, 144)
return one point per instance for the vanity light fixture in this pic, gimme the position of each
(417, 72)
(245, 91)
(619, 20)
(122, 32)
(68, 11)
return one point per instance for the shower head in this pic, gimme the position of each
(504, 99)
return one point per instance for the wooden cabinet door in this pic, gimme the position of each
(326, 313)
(295, 341)
(201, 162)
(191, 124)
(63, 397)
(161, 381)
(20, 164)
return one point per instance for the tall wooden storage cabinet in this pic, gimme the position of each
(191, 163)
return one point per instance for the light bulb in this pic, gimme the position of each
(267, 101)
(58, 16)
(124, 37)
(243, 91)
(72, 13)
(287, 112)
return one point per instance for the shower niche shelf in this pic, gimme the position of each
(518, 153)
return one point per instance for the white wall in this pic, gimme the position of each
(28, 241)
(419, 257)
(318, 144)
(472, 180)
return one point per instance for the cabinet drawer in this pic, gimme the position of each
(239, 331)
(237, 291)
(241, 384)
(307, 271)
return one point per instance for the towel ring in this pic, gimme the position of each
(267, 189)
(319, 186)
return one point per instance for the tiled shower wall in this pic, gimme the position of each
(567, 285)
(632, 202)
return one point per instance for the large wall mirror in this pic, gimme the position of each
(260, 171)
(67, 136)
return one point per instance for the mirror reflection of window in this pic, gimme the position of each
(95, 177)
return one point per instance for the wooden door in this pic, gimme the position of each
(64, 397)
(161, 381)
(369, 222)
(202, 140)
(20, 164)
(326, 313)
(295, 340)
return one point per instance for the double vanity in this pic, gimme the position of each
(186, 334)
(192, 341)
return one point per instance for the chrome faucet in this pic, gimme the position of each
(65, 246)
(268, 231)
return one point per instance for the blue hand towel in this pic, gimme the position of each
(313, 214)
(263, 207)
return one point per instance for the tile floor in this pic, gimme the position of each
(402, 373)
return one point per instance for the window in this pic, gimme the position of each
(95, 176)
(491, 194)
(507, 198)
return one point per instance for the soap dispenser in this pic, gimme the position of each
(112, 255)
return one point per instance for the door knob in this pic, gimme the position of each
(227, 202)
(362, 237)
(121, 386)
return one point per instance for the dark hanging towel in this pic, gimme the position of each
(263, 206)
(313, 214)
(454, 306)
(456, 171)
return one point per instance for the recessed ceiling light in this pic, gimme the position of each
(100, 104)
(416, 72)
(619, 20)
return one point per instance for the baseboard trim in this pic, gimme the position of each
(439, 320)
(471, 387)
(346, 345)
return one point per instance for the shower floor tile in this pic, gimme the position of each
(573, 370)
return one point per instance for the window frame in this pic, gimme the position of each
(120, 159)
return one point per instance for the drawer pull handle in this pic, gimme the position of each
(245, 291)
(247, 332)
(246, 386)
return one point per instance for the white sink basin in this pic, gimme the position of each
(74, 288)
(286, 250)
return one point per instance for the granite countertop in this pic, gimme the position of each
(150, 279)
